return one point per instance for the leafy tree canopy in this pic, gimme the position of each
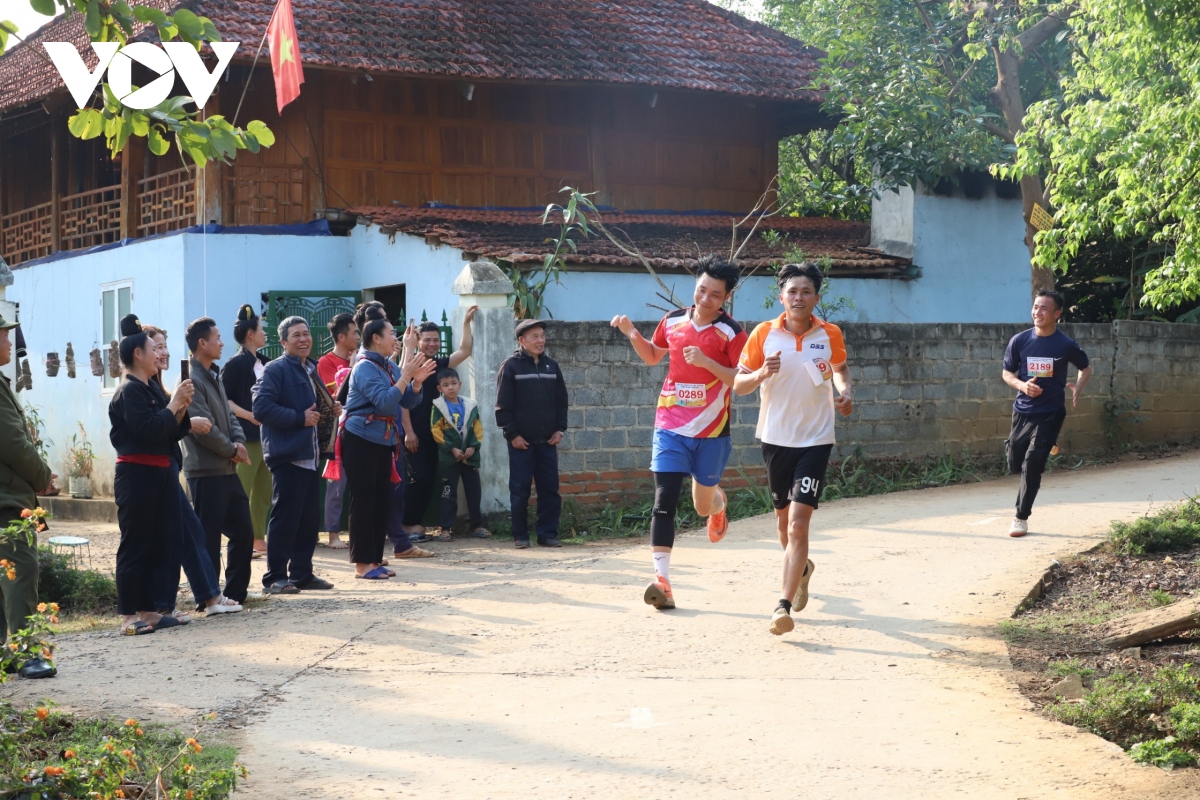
(1120, 144)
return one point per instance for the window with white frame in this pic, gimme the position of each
(116, 300)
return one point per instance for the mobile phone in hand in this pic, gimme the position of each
(184, 369)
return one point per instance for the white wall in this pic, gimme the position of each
(973, 260)
(175, 279)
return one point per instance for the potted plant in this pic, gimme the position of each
(80, 459)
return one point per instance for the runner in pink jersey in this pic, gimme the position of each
(691, 425)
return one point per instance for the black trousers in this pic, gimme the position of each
(536, 465)
(1028, 449)
(292, 526)
(148, 514)
(223, 508)
(471, 487)
(368, 468)
(422, 472)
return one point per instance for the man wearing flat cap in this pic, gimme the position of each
(531, 409)
(23, 473)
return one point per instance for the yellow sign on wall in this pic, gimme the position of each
(1040, 218)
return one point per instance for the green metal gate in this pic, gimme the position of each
(316, 307)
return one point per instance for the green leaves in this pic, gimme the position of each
(155, 141)
(201, 140)
(1121, 144)
(87, 124)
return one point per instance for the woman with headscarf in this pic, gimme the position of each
(146, 427)
(238, 376)
(202, 575)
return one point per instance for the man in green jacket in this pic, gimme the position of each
(23, 473)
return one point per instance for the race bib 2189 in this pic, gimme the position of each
(1039, 367)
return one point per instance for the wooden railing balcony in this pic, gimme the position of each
(90, 218)
(26, 235)
(163, 203)
(166, 202)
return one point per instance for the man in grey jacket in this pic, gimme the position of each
(210, 463)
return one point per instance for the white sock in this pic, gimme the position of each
(662, 565)
(718, 503)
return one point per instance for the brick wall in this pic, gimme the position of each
(920, 390)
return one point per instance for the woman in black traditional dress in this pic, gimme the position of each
(146, 425)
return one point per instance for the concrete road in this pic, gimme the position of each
(492, 673)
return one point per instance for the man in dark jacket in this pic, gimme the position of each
(210, 462)
(531, 409)
(23, 473)
(285, 404)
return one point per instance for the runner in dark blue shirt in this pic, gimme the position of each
(1035, 364)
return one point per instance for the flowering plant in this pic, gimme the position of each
(32, 641)
(120, 765)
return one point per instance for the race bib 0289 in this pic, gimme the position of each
(1039, 367)
(690, 395)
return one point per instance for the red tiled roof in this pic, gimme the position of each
(669, 241)
(678, 44)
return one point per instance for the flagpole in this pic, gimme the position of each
(261, 44)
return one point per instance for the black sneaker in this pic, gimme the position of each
(521, 544)
(281, 587)
(314, 583)
(551, 542)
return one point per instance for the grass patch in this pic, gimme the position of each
(86, 621)
(67, 756)
(1170, 529)
(75, 590)
(1073, 616)
(1071, 666)
(1160, 598)
(1124, 708)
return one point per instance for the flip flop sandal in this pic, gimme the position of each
(183, 617)
(482, 533)
(167, 622)
(137, 628)
(377, 574)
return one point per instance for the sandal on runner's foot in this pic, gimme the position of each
(137, 628)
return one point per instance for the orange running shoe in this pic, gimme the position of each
(658, 594)
(718, 523)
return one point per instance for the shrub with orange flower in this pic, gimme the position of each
(42, 712)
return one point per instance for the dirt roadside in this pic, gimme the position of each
(495, 673)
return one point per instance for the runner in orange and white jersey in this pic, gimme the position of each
(797, 360)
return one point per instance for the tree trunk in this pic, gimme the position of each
(1007, 94)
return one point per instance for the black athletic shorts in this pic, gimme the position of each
(796, 474)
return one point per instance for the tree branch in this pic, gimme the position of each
(1048, 26)
(997, 131)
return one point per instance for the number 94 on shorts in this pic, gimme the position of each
(796, 474)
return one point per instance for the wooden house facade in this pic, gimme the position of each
(666, 105)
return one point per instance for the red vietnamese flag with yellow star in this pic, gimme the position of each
(285, 55)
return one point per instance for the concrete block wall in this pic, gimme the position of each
(920, 390)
